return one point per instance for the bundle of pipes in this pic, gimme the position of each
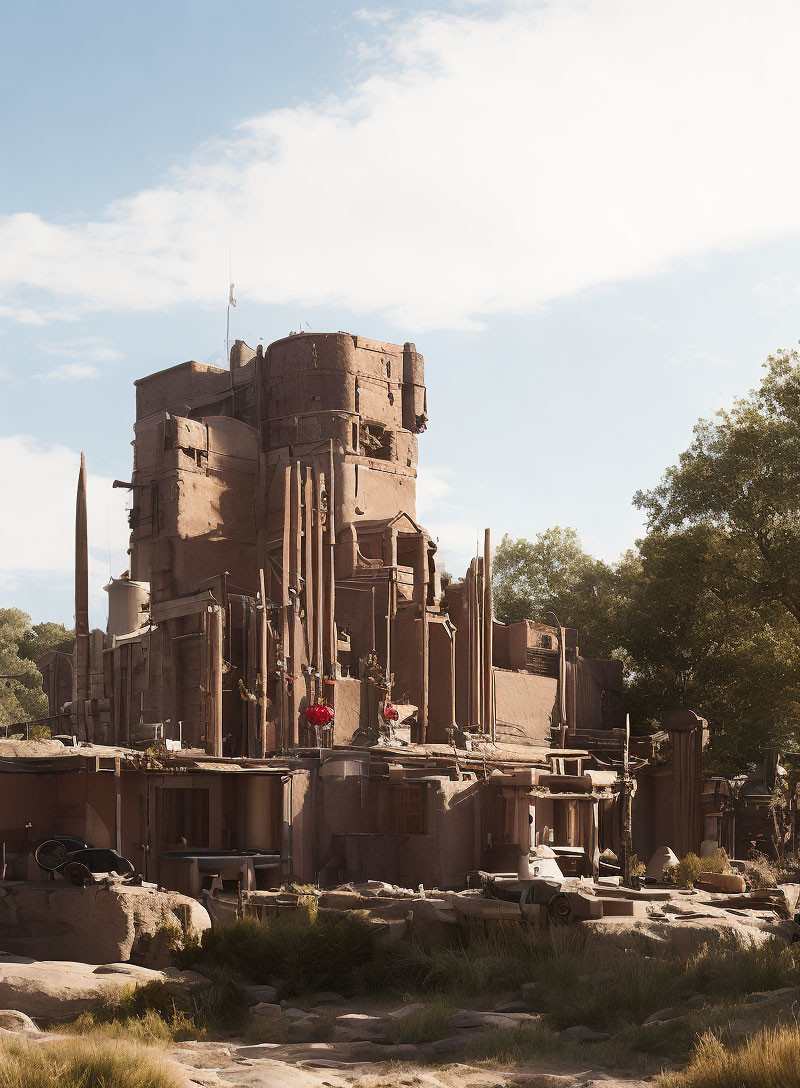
(479, 637)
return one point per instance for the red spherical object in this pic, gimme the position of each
(319, 714)
(390, 713)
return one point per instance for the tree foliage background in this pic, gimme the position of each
(705, 611)
(21, 643)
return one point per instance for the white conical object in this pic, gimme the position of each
(662, 859)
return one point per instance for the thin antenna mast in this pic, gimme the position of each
(231, 302)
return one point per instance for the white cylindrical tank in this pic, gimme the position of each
(125, 604)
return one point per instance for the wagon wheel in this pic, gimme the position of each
(50, 855)
(77, 873)
(559, 909)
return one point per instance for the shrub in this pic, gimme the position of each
(152, 1012)
(689, 868)
(74, 1063)
(728, 968)
(766, 1060)
(305, 951)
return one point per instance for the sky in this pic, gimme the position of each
(583, 212)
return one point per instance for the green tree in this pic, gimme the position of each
(554, 573)
(687, 644)
(741, 478)
(21, 643)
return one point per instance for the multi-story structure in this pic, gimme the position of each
(284, 616)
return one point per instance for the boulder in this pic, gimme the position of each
(721, 882)
(256, 994)
(684, 935)
(100, 924)
(433, 923)
(12, 1020)
(266, 1010)
(407, 1010)
(59, 990)
(583, 1034)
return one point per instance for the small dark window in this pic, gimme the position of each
(375, 441)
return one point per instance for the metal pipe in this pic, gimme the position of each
(488, 635)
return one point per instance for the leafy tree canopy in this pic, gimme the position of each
(21, 643)
(705, 612)
(554, 573)
(741, 477)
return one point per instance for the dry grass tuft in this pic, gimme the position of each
(770, 1059)
(513, 1046)
(423, 1025)
(80, 1063)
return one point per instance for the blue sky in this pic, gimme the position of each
(583, 212)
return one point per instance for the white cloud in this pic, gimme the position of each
(69, 372)
(495, 160)
(39, 485)
(92, 348)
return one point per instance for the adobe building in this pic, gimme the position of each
(284, 670)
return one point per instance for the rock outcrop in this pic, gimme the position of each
(100, 924)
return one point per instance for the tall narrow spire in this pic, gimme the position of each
(81, 672)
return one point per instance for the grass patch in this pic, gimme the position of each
(304, 950)
(74, 1063)
(512, 1046)
(423, 1025)
(152, 1013)
(770, 1059)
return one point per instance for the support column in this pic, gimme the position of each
(215, 630)
(488, 673)
(424, 638)
(686, 731)
(524, 834)
(263, 653)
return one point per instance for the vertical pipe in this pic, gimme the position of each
(296, 563)
(80, 688)
(479, 586)
(308, 553)
(424, 637)
(287, 516)
(331, 633)
(319, 594)
(118, 804)
(488, 618)
(264, 663)
(474, 664)
(215, 678)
